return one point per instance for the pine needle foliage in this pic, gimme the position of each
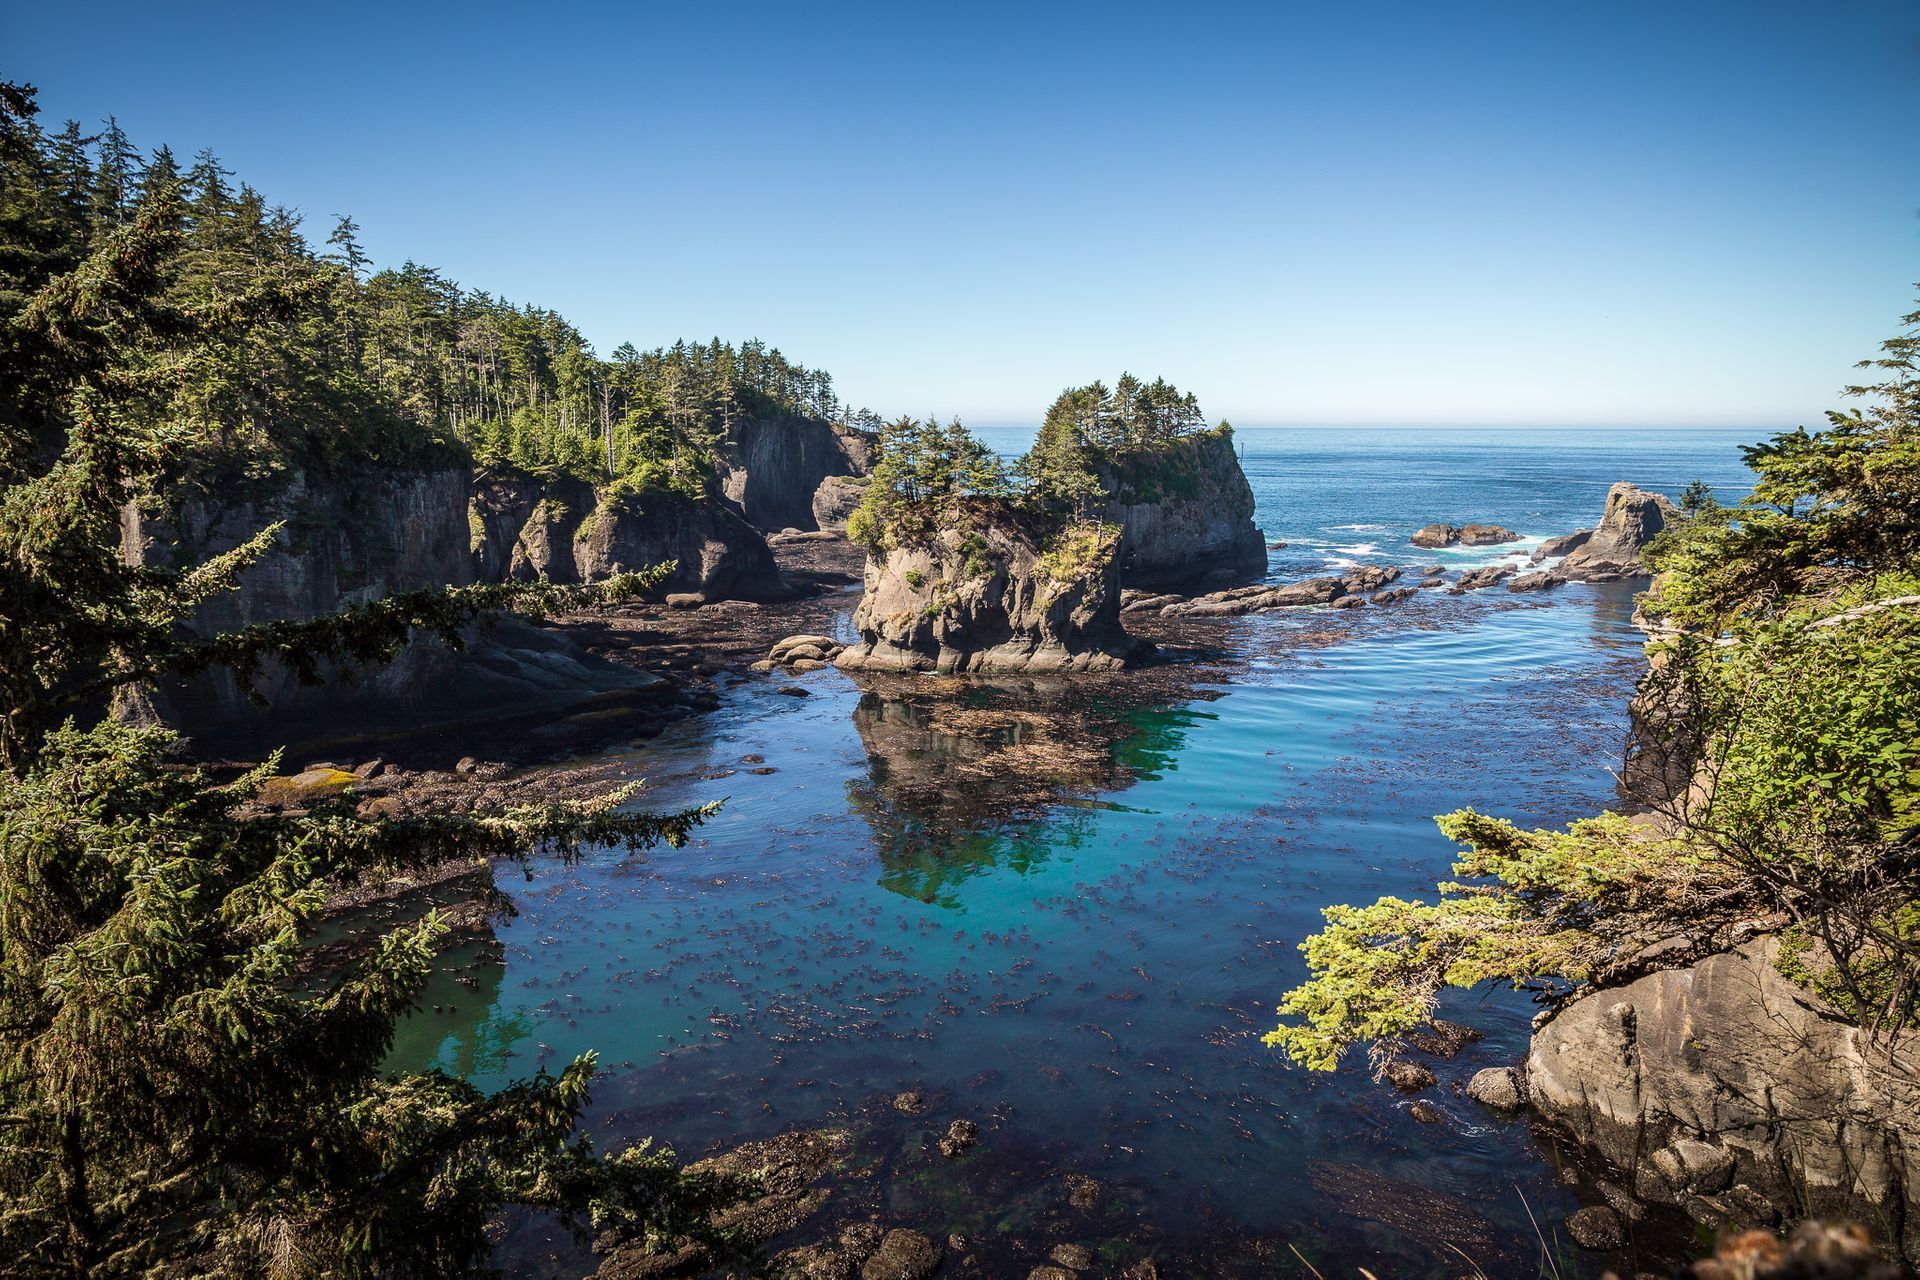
(181, 1092)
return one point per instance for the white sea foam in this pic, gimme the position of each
(1357, 549)
(1356, 528)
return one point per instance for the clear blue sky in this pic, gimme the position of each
(1501, 213)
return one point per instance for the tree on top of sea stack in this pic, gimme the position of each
(178, 1093)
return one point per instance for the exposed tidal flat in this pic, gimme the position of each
(1064, 908)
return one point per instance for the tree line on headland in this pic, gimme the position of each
(340, 362)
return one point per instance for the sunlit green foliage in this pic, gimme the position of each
(1786, 678)
(1092, 429)
(921, 470)
(1539, 909)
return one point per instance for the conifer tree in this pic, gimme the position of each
(179, 1093)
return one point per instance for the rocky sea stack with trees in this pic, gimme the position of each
(974, 566)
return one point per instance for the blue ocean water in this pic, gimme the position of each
(1087, 975)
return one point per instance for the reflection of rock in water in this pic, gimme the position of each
(960, 773)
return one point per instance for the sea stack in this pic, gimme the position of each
(1610, 550)
(994, 590)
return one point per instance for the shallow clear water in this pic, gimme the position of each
(1089, 978)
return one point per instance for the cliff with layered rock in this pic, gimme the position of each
(355, 536)
(774, 468)
(523, 528)
(347, 540)
(993, 590)
(1185, 512)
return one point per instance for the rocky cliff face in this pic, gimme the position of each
(779, 464)
(1185, 514)
(361, 536)
(1611, 549)
(567, 531)
(1730, 1091)
(989, 594)
(348, 540)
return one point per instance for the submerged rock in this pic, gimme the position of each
(903, 1255)
(961, 1135)
(1596, 1227)
(1076, 1256)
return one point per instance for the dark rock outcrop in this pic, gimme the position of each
(903, 1255)
(835, 500)
(567, 531)
(1611, 549)
(1185, 513)
(1725, 1088)
(1465, 535)
(775, 467)
(788, 1169)
(994, 592)
(360, 535)
(1476, 579)
(347, 541)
